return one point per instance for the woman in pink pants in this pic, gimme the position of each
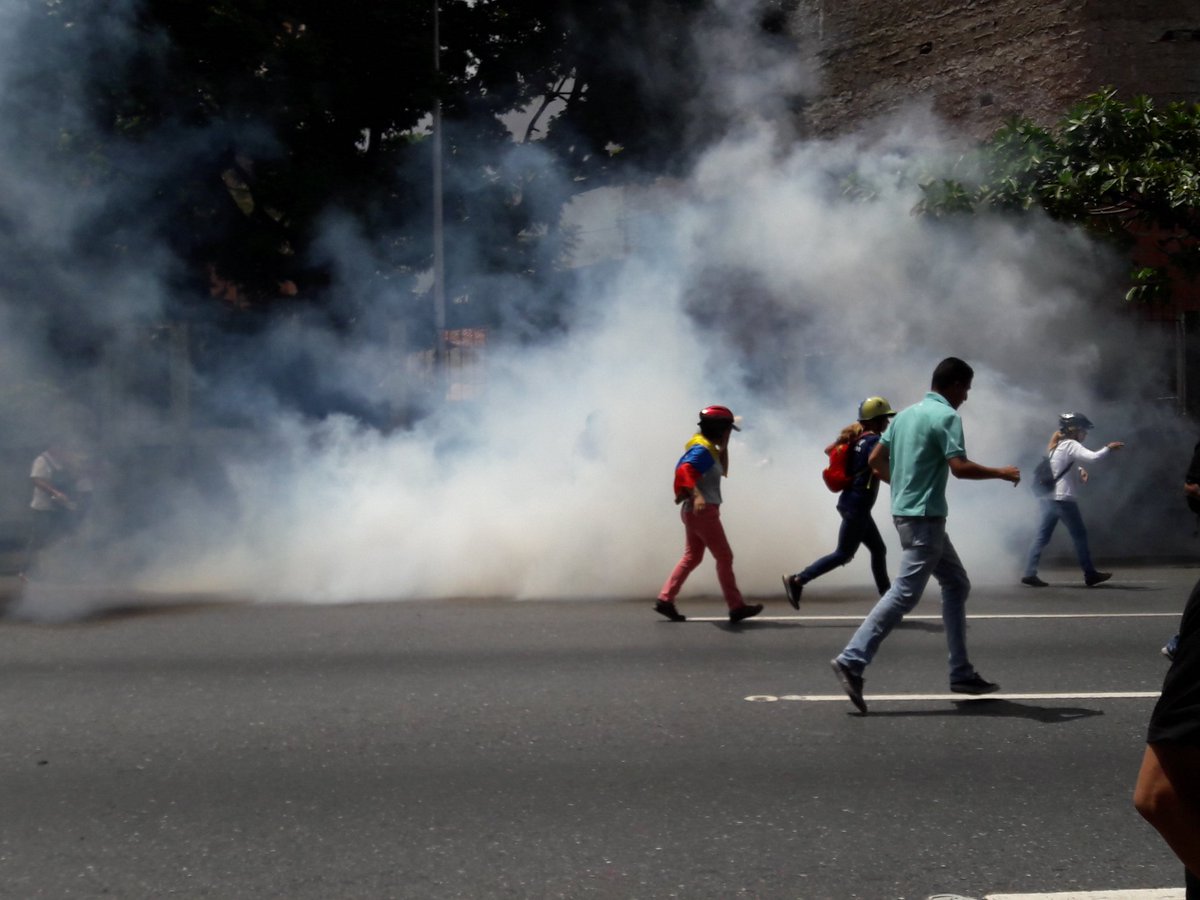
(698, 475)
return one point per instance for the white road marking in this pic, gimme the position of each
(883, 698)
(1162, 894)
(970, 617)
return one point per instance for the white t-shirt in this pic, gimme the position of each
(47, 468)
(1070, 453)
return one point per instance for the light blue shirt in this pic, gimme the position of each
(920, 441)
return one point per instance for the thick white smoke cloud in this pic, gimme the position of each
(557, 481)
(757, 285)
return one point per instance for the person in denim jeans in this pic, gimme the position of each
(916, 455)
(1066, 450)
(854, 504)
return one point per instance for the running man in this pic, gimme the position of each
(917, 453)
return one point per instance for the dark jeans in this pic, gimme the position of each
(46, 528)
(857, 529)
(1068, 512)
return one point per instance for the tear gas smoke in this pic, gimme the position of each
(753, 283)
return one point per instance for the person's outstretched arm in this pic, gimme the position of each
(961, 467)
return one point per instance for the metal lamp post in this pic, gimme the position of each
(439, 248)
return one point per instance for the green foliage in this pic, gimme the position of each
(1150, 284)
(234, 128)
(1119, 169)
(945, 197)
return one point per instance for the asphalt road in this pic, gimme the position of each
(483, 749)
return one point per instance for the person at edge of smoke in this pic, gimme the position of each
(854, 504)
(1065, 452)
(698, 475)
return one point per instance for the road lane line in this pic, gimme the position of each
(936, 618)
(1161, 894)
(1001, 695)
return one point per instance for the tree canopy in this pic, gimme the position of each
(252, 168)
(242, 125)
(1124, 170)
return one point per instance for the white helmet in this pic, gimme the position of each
(1070, 421)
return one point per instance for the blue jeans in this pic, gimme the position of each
(1052, 511)
(857, 529)
(926, 551)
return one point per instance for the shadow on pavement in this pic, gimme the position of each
(49, 603)
(763, 624)
(752, 625)
(1133, 588)
(1001, 709)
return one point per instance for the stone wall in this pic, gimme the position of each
(976, 62)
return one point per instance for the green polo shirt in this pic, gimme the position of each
(920, 440)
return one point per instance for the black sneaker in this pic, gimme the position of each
(1097, 578)
(1033, 581)
(793, 588)
(744, 612)
(976, 684)
(852, 684)
(662, 607)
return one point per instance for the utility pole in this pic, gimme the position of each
(1181, 363)
(439, 245)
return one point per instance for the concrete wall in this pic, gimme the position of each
(976, 62)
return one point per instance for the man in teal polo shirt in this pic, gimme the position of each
(916, 455)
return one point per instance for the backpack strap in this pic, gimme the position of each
(1066, 468)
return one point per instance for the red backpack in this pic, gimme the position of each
(837, 474)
